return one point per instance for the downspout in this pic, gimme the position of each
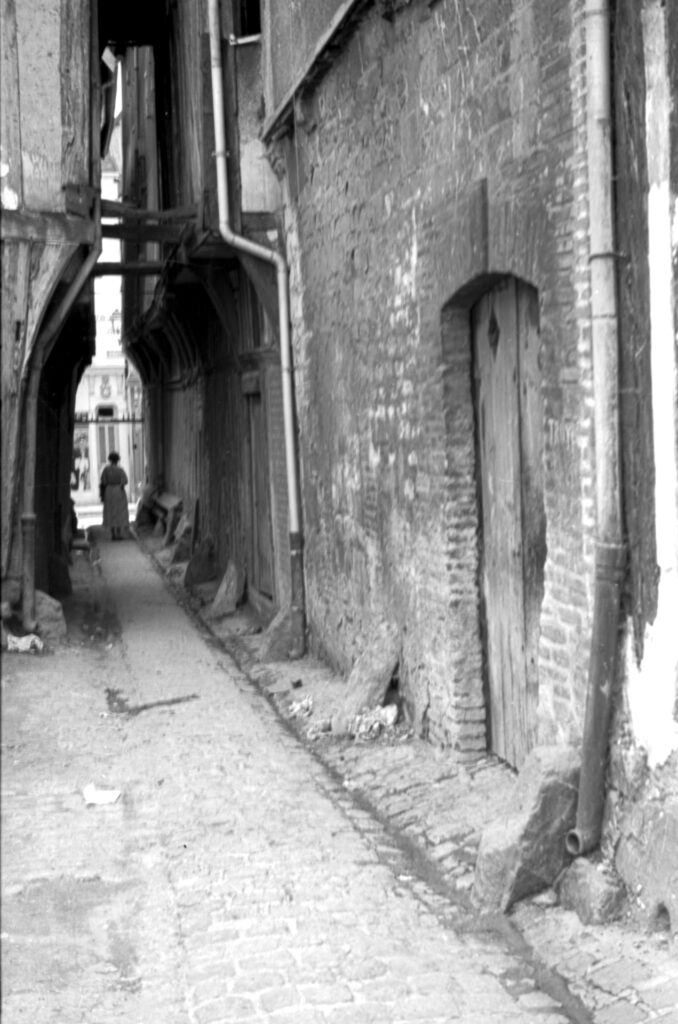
(610, 554)
(245, 245)
(44, 344)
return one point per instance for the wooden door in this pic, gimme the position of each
(510, 431)
(262, 545)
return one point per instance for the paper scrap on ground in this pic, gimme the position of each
(93, 795)
(31, 642)
(371, 723)
(301, 708)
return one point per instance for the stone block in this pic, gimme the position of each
(171, 524)
(227, 596)
(276, 639)
(183, 536)
(594, 893)
(524, 851)
(50, 618)
(647, 860)
(202, 566)
(370, 676)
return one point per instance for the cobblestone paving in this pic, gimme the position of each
(618, 973)
(235, 878)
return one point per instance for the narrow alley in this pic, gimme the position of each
(233, 878)
(358, 318)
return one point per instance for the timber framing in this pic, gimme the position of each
(111, 208)
(48, 228)
(141, 233)
(140, 269)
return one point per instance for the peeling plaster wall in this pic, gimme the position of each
(653, 677)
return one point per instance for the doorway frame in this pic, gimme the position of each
(464, 480)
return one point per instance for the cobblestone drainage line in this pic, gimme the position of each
(415, 871)
(409, 863)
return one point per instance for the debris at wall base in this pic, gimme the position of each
(370, 677)
(226, 598)
(24, 644)
(592, 891)
(524, 851)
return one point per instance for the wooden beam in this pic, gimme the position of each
(141, 233)
(149, 269)
(46, 227)
(111, 208)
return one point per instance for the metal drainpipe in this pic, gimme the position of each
(610, 554)
(33, 370)
(238, 242)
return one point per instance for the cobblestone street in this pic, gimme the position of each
(237, 877)
(233, 879)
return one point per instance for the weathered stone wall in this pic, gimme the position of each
(443, 148)
(293, 32)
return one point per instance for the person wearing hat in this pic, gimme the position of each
(112, 492)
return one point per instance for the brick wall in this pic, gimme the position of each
(443, 148)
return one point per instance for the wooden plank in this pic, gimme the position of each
(14, 268)
(112, 208)
(31, 273)
(143, 233)
(49, 264)
(496, 353)
(75, 91)
(263, 277)
(532, 496)
(262, 544)
(128, 269)
(51, 228)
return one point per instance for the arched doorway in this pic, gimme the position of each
(509, 445)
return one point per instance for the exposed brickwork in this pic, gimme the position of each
(442, 147)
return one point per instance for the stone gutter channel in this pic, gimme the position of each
(424, 814)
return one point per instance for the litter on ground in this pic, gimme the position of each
(371, 723)
(24, 644)
(301, 708)
(93, 795)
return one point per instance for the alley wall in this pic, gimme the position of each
(47, 168)
(443, 151)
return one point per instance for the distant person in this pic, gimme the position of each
(114, 497)
(82, 469)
